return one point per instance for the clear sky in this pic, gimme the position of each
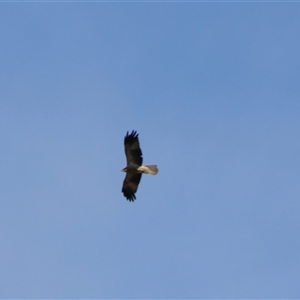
(212, 89)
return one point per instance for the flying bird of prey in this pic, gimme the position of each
(134, 169)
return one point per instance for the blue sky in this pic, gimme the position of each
(212, 89)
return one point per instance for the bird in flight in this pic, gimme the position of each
(134, 168)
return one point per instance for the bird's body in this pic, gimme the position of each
(134, 168)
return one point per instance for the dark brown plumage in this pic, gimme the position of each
(133, 151)
(130, 184)
(133, 154)
(134, 168)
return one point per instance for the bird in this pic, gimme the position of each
(134, 168)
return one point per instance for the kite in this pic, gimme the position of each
(134, 168)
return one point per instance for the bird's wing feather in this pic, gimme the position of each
(133, 151)
(130, 185)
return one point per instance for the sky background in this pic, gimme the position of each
(212, 89)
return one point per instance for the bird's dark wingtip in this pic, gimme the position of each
(133, 134)
(130, 198)
(128, 195)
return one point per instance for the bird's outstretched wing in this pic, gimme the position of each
(133, 151)
(130, 184)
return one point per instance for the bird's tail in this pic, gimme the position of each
(151, 170)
